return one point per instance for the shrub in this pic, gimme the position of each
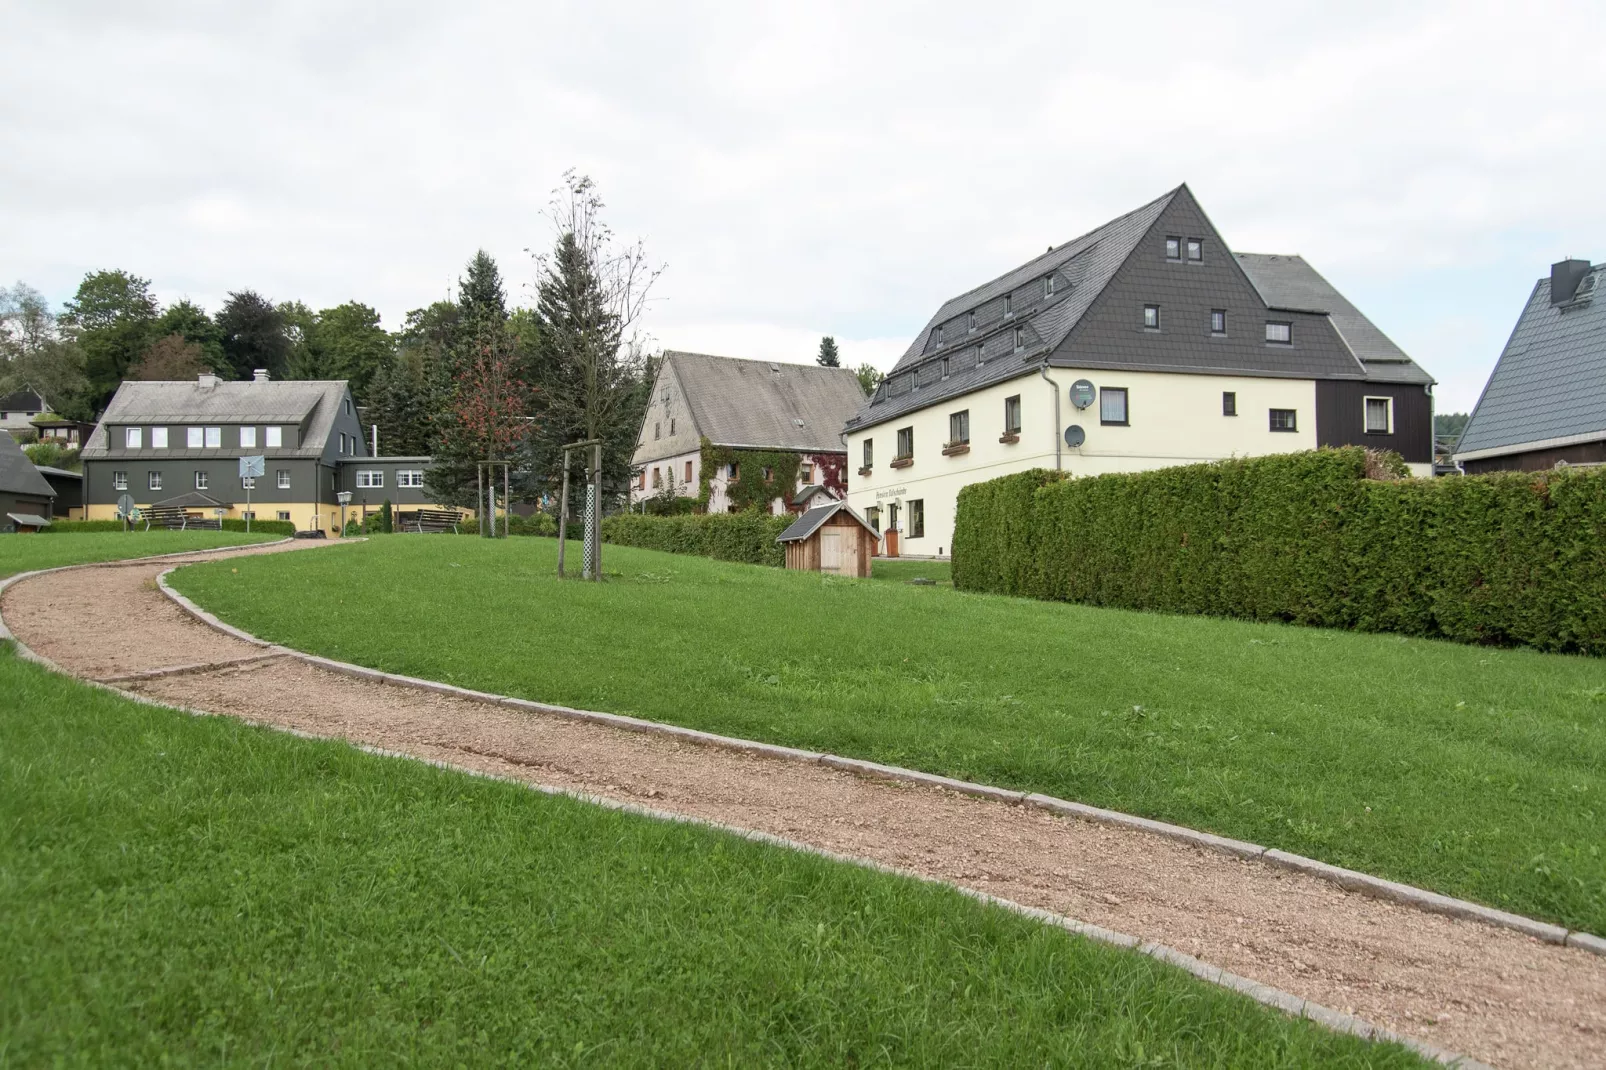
(387, 518)
(747, 537)
(1307, 538)
(258, 527)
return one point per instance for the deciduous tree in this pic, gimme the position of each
(112, 318)
(254, 335)
(189, 320)
(170, 358)
(34, 355)
(869, 378)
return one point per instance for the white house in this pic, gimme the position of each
(1143, 344)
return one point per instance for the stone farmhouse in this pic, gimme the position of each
(1545, 402)
(1143, 344)
(755, 430)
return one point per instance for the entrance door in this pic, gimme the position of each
(831, 551)
(892, 529)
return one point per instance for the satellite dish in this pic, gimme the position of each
(125, 506)
(1082, 393)
(1075, 436)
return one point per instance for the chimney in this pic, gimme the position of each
(1564, 278)
(207, 381)
(259, 375)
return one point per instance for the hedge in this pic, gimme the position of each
(258, 527)
(746, 537)
(1308, 538)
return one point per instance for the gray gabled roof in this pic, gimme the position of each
(1289, 283)
(1550, 381)
(765, 405)
(23, 401)
(312, 403)
(17, 473)
(810, 522)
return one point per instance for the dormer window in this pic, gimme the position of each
(1173, 248)
(1048, 286)
(1195, 250)
(1020, 339)
(939, 334)
(970, 324)
(1009, 304)
(132, 437)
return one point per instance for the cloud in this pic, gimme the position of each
(803, 169)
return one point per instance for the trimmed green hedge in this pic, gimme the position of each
(258, 527)
(1308, 538)
(746, 537)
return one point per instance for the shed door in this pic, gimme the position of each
(830, 551)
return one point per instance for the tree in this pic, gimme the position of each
(254, 335)
(170, 359)
(300, 324)
(348, 343)
(112, 318)
(828, 358)
(590, 362)
(190, 321)
(480, 297)
(869, 378)
(34, 355)
(408, 403)
(488, 419)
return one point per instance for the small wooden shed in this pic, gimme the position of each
(831, 538)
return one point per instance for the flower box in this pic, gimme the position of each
(902, 462)
(1009, 437)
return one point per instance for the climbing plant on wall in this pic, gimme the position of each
(828, 469)
(761, 475)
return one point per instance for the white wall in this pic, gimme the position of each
(1172, 419)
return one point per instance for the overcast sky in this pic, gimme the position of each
(804, 168)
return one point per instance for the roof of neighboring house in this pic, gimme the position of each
(59, 473)
(1550, 381)
(312, 403)
(768, 405)
(808, 492)
(810, 522)
(1082, 269)
(22, 401)
(18, 474)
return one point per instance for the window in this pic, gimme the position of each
(214, 438)
(869, 453)
(1284, 420)
(917, 518)
(1195, 250)
(369, 479)
(970, 322)
(1012, 415)
(159, 438)
(657, 430)
(248, 482)
(1048, 286)
(939, 334)
(248, 514)
(657, 477)
(733, 471)
(275, 437)
(348, 406)
(153, 480)
(1009, 304)
(282, 514)
(281, 478)
(119, 481)
(1379, 416)
(1020, 339)
(1229, 403)
(1173, 248)
(132, 437)
(1218, 321)
(688, 473)
(641, 480)
(411, 477)
(1280, 333)
(805, 473)
(906, 443)
(193, 438)
(944, 367)
(248, 438)
(959, 427)
(200, 481)
(671, 426)
(1112, 405)
(1151, 317)
(872, 515)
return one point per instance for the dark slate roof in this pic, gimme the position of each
(22, 401)
(808, 492)
(59, 473)
(18, 474)
(810, 522)
(313, 402)
(1550, 381)
(1082, 269)
(765, 405)
(1289, 283)
(28, 520)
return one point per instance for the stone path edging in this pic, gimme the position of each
(1348, 879)
(1276, 998)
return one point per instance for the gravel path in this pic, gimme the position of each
(1494, 995)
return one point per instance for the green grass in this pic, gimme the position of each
(193, 891)
(25, 553)
(1475, 772)
(904, 570)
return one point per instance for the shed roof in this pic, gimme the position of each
(1550, 380)
(28, 520)
(762, 404)
(810, 522)
(18, 474)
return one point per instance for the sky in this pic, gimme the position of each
(803, 169)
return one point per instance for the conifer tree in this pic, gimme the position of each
(828, 358)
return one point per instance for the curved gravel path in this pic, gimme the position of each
(1495, 995)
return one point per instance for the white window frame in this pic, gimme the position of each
(202, 482)
(371, 479)
(133, 438)
(153, 481)
(248, 437)
(119, 481)
(248, 482)
(283, 514)
(158, 438)
(1292, 428)
(274, 437)
(282, 478)
(409, 477)
(214, 438)
(1366, 414)
(195, 437)
(1276, 327)
(1151, 317)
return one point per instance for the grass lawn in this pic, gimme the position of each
(1472, 771)
(192, 891)
(25, 553)
(904, 570)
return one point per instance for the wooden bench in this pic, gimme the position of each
(429, 521)
(176, 518)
